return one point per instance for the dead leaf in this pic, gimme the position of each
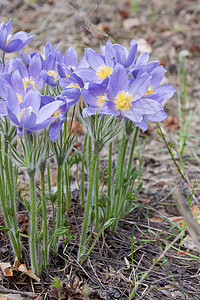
(30, 273)
(172, 122)
(156, 219)
(130, 23)
(195, 211)
(6, 269)
(178, 220)
(143, 46)
(22, 268)
(124, 13)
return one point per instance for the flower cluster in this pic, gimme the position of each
(114, 82)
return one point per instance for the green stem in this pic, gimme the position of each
(67, 184)
(59, 200)
(49, 178)
(54, 218)
(89, 151)
(96, 188)
(132, 149)
(17, 249)
(109, 181)
(1, 163)
(11, 190)
(3, 59)
(33, 225)
(119, 179)
(44, 213)
(83, 173)
(87, 208)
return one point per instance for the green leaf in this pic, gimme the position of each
(56, 283)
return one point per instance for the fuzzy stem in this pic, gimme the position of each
(119, 179)
(17, 249)
(59, 200)
(1, 163)
(10, 183)
(33, 227)
(96, 190)
(109, 181)
(89, 152)
(132, 150)
(3, 59)
(88, 205)
(49, 178)
(67, 184)
(82, 172)
(44, 213)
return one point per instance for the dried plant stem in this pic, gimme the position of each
(144, 276)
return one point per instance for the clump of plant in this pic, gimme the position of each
(121, 93)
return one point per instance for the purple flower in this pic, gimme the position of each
(94, 95)
(12, 43)
(124, 100)
(34, 76)
(58, 116)
(121, 55)
(70, 63)
(102, 65)
(71, 88)
(156, 91)
(27, 113)
(49, 60)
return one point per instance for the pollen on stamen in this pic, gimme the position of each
(101, 99)
(123, 100)
(54, 74)
(150, 90)
(20, 114)
(66, 74)
(103, 72)
(19, 97)
(57, 113)
(8, 39)
(29, 80)
(74, 85)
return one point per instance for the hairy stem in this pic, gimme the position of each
(87, 208)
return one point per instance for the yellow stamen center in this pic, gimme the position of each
(67, 75)
(21, 112)
(74, 85)
(19, 97)
(56, 113)
(101, 99)
(29, 80)
(150, 90)
(54, 74)
(123, 100)
(103, 72)
(8, 39)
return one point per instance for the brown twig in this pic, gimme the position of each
(193, 226)
(24, 293)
